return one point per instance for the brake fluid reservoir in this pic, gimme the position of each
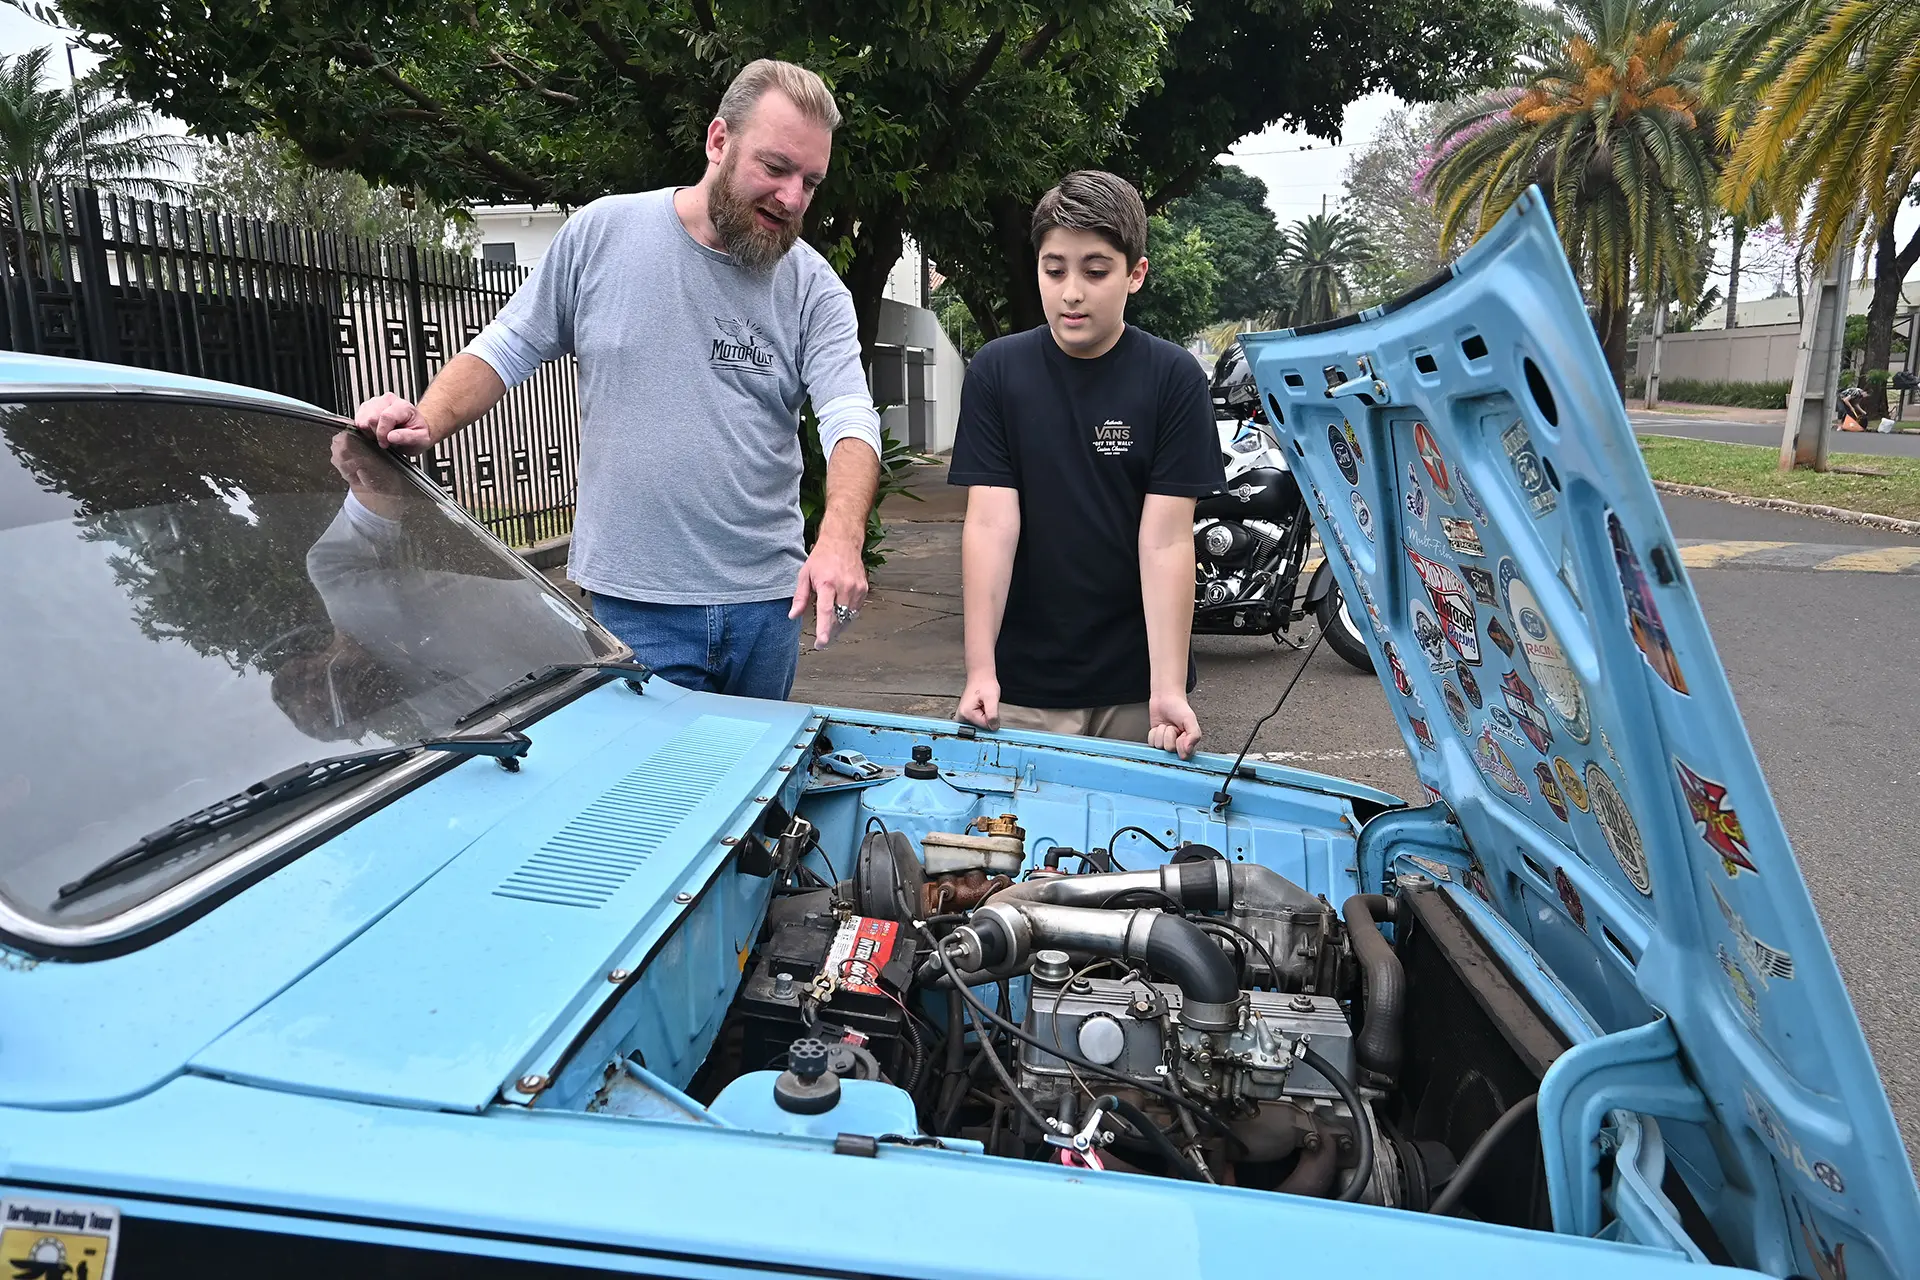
(918, 802)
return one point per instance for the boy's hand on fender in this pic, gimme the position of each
(1172, 725)
(980, 704)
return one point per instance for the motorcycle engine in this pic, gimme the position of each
(1224, 552)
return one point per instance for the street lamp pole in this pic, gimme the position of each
(79, 114)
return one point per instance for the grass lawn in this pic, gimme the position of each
(1753, 470)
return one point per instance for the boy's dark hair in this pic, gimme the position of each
(1096, 201)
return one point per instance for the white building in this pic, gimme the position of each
(916, 372)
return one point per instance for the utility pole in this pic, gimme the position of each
(1812, 403)
(1653, 365)
(79, 114)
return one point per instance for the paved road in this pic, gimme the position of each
(1768, 434)
(1819, 659)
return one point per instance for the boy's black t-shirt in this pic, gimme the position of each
(1084, 441)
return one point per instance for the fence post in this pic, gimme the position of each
(95, 288)
(416, 325)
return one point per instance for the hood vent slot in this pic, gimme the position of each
(590, 859)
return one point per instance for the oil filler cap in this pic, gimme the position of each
(806, 1087)
(921, 767)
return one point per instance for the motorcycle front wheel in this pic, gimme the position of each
(1342, 632)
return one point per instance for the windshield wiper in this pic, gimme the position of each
(288, 784)
(637, 673)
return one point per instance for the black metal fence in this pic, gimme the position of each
(329, 319)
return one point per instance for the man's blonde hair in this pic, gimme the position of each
(802, 87)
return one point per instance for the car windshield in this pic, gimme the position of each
(198, 595)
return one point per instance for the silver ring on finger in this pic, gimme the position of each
(843, 615)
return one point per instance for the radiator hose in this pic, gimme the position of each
(1377, 1047)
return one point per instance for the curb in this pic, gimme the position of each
(550, 554)
(1841, 514)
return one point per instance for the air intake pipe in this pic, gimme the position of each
(1003, 932)
(1203, 884)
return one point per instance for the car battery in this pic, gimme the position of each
(863, 965)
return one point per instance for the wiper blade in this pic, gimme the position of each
(288, 784)
(637, 673)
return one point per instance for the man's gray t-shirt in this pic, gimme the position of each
(692, 373)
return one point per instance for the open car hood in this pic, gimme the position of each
(1482, 499)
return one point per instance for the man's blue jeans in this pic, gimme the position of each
(748, 650)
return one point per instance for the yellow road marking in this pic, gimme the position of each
(1878, 560)
(1708, 555)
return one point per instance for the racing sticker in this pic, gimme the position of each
(1742, 987)
(1456, 705)
(1420, 731)
(1416, 497)
(1426, 631)
(1769, 963)
(1469, 686)
(1570, 784)
(44, 1240)
(1452, 602)
(1498, 633)
(1544, 655)
(1570, 897)
(1530, 716)
(1527, 469)
(1362, 514)
(1494, 762)
(1472, 500)
(1482, 583)
(1400, 681)
(1429, 450)
(1715, 821)
(1550, 790)
(1462, 536)
(1353, 441)
(1642, 614)
(1617, 825)
(1342, 454)
(861, 949)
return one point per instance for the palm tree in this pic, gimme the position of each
(1608, 116)
(103, 140)
(1833, 132)
(1316, 256)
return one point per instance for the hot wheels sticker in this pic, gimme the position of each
(1527, 469)
(1482, 583)
(1416, 497)
(1715, 821)
(1342, 454)
(1452, 602)
(1429, 450)
(1570, 897)
(1642, 614)
(1570, 784)
(1362, 514)
(1493, 762)
(1550, 790)
(1617, 825)
(1462, 536)
(1456, 705)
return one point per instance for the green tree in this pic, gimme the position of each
(1319, 255)
(1176, 302)
(1608, 116)
(260, 176)
(958, 114)
(1229, 210)
(81, 134)
(1382, 190)
(1833, 132)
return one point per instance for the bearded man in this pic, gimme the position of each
(701, 323)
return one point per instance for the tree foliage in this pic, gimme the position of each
(259, 176)
(1608, 116)
(1319, 256)
(68, 136)
(1177, 301)
(958, 115)
(1382, 190)
(1229, 210)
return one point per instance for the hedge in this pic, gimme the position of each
(1741, 395)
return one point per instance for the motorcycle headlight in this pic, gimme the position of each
(1249, 442)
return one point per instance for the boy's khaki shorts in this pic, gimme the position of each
(1127, 722)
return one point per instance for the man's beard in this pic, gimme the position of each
(749, 243)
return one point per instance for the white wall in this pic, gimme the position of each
(529, 228)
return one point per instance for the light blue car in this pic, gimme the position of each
(365, 910)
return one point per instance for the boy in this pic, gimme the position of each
(1084, 444)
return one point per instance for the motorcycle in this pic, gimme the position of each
(1251, 540)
